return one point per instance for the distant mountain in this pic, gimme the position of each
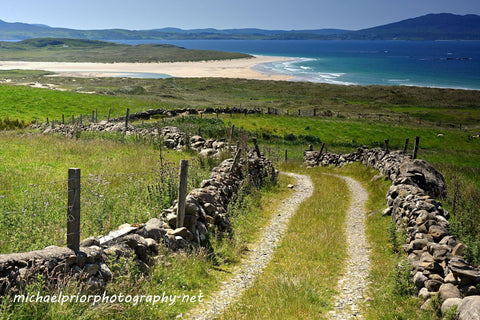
(443, 26)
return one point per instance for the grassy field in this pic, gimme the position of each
(33, 173)
(116, 177)
(78, 50)
(414, 105)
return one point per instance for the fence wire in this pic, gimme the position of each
(34, 216)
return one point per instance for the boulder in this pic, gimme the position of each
(447, 291)
(419, 280)
(425, 176)
(181, 232)
(437, 232)
(154, 229)
(449, 304)
(469, 308)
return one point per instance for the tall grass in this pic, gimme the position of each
(121, 183)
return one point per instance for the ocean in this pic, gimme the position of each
(442, 64)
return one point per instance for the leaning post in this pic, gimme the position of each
(415, 148)
(73, 209)
(405, 146)
(126, 118)
(182, 192)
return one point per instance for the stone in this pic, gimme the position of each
(437, 232)
(94, 253)
(134, 240)
(152, 245)
(191, 206)
(419, 244)
(209, 152)
(450, 303)
(105, 272)
(433, 285)
(81, 259)
(423, 216)
(189, 220)
(429, 179)
(92, 241)
(154, 229)
(447, 291)
(172, 220)
(387, 211)
(182, 232)
(91, 268)
(459, 250)
(419, 280)
(427, 305)
(119, 250)
(463, 270)
(209, 208)
(451, 278)
(435, 276)
(424, 294)
(469, 308)
(469, 290)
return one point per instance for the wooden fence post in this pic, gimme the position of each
(63, 119)
(108, 117)
(93, 116)
(405, 146)
(182, 192)
(73, 209)
(236, 159)
(286, 155)
(126, 117)
(415, 148)
(257, 149)
(387, 146)
(323, 146)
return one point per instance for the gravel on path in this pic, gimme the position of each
(354, 282)
(258, 256)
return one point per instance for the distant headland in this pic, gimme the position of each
(442, 26)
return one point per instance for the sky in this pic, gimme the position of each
(226, 14)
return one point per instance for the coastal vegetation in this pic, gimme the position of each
(79, 50)
(346, 117)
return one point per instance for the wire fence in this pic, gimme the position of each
(34, 216)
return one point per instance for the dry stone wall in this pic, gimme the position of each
(206, 211)
(436, 257)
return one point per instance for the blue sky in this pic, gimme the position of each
(222, 14)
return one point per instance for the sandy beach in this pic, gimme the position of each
(236, 68)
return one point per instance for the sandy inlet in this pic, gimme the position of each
(235, 68)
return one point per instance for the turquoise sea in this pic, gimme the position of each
(444, 64)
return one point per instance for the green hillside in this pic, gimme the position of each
(77, 50)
